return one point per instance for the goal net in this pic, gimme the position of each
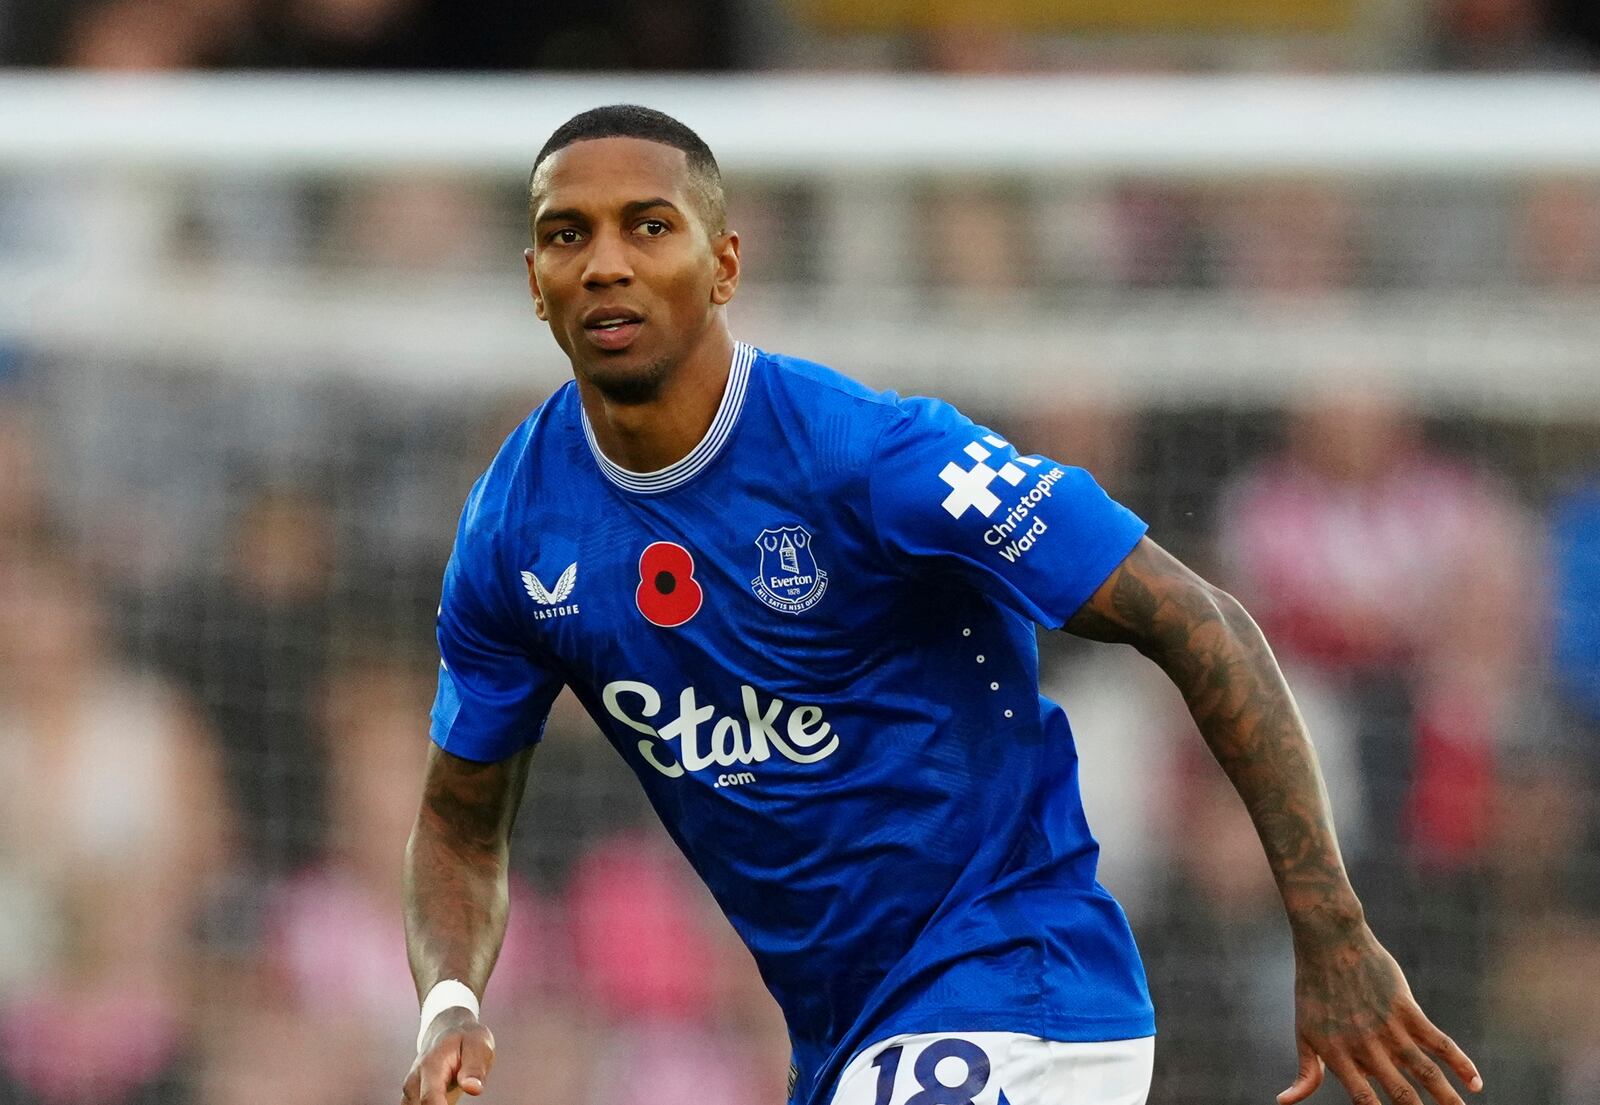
(1337, 340)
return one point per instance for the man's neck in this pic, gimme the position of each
(646, 437)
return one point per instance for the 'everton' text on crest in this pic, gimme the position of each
(789, 579)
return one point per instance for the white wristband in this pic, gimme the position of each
(448, 994)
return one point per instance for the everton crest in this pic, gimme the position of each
(789, 579)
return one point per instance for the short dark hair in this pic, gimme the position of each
(635, 121)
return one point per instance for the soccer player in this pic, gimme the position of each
(803, 613)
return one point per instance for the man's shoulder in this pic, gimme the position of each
(815, 385)
(505, 487)
(857, 426)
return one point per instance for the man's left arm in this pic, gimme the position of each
(1354, 1010)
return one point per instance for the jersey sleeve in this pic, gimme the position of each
(1035, 535)
(494, 697)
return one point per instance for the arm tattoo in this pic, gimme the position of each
(455, 870)
(1216, 656)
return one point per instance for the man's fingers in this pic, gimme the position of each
(1445, 1048)
(433, 1092)
(1388, 1076)
(457, 1061)
(1429, 1075)
(477, 1056)
(437, 1072)
(1309, 1079)
(1353, 1080)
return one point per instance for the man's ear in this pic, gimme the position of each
(533, 287)
(726, 249)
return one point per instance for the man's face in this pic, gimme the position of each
(623, 266)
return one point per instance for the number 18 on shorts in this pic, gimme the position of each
(997, 1068)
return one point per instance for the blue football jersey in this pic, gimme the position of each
(812, 639)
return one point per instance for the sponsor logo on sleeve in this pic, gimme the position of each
(551, 602)
(1019, 528)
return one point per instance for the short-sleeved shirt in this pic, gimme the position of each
(812, 639)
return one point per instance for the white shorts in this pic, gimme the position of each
(997, 1068)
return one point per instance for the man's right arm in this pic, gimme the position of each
(456, 898)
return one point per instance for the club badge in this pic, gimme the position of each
(788, 579)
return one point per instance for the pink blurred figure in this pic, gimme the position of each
(112, 833)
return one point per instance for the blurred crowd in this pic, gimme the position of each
(368, 34)
(217, 588)
(1015, 36)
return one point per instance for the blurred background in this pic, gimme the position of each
(1312, 285)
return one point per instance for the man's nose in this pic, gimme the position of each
(607, 262)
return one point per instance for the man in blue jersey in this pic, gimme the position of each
(803, 612)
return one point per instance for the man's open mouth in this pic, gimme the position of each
(611, 328)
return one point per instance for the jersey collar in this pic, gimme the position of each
(682, 471)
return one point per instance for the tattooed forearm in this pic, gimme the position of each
(1216, 656)
(1354, 1014)
(455, 868)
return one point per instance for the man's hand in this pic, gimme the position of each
(456, 1057)
(1355, 1013)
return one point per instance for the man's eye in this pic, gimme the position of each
(566, 236)
(653, 228)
